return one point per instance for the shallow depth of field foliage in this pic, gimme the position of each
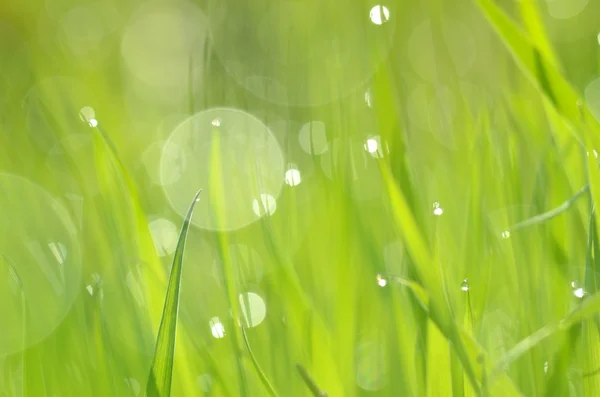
(397, 198)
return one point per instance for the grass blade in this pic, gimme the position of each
(589, 307)
(159, 382)
(312, 386)
(544, 75)
(552, 213)
(261, 374)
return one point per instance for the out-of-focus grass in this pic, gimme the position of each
(410, 259)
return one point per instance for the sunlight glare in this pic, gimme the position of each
(379, 14)
(266, 206)
(254, 309)
(292, 177)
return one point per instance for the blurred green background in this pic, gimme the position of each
(366, 167)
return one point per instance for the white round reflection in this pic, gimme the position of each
(592, 98)
(88, 115)
(238, 164)
(292, 177)
(371, 364)
(253, 309)
(313, 137)
(433, 110)
(265, 206)
(162, 40)
(565, 9)
(379, 14)
(85, 27)
(164, 234)
(375, 147)
(205, 382)
(170, 156)
(217, 328)
(437, 209)
(134, 385)
(40, 269)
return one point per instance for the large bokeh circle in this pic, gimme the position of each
(229, 150)
(40, 267)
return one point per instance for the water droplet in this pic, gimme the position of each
(381, 281)
(90, 289)
(292, 176)
(465, 285)
(579, 293)
(371, 145)
(437, 209)
(217, 328)
(216, 122)
(368, 99)
(546, 367)
(88, 115)
(505, 234)
(379, 14)
(595, 153)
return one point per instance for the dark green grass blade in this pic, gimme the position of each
(310, 383)
(159, 382)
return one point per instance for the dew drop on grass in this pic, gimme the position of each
(465, 285)
(505, 234)
(437, 209)
(381, 281)
(88, 115)
(546, 366)
(217, 328)
(579, 293)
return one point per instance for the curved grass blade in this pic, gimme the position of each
(159, 382)
(261, 374)
(552, 213)
(543, 74)
(588, 307)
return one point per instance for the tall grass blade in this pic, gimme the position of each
(261, 374)
(159, 382)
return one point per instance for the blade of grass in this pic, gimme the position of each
(588, 307)
(159, 382)
(544, 75)
(261, 374)
(310, 383)
(552, 213)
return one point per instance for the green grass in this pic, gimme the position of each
(460, 258)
